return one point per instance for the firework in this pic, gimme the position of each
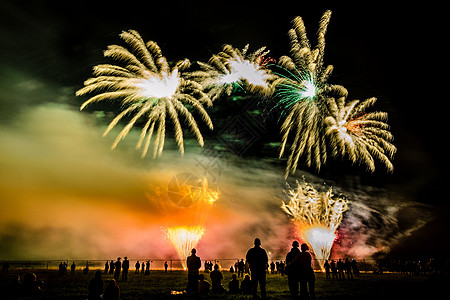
(317, 216)
(184, 239)
(148, 89)
(233, 68)
(359, 135)
(194, 199)
(301, 90)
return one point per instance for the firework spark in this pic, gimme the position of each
(317, 216)
(301, 90)
(149, 89)
(233, 68)
(184, 238)
(360, 135)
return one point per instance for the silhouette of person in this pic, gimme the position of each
(257, 259)
(112, 291)
(333, 269)
(72, 268)
(272, 268)
(348, 268)
(216, 280)
(165, 266)
(203, 286)
(240, 268)
(60, 268)
(355, 267)
(143, 267)
(5, 267)
(106, 267)
(307, 277)
(147, 268)
(85, 270)
(327, 268)
(95, 287)
(233, 285)
(293, 270)
(193, 264)
(340, 268)
(31, 285)
(117, 268)
(111, 267)
(137, 266)
(125, 268)
(246, 285)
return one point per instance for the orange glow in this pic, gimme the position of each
(184, 238)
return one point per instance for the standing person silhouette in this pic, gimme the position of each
(137, 266)
(257, 259)
(327, 268)
(240, 268)
(125, 267)
(106, 267)
(117, 268)
(193, 264)
(306, 272)
(293, 270)
(72, 269)
(111, 267)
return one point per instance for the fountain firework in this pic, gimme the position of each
(200, 198)
(184, 238)
(317, 216)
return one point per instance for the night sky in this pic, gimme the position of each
(48, 48)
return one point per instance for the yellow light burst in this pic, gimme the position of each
(317, 216)
(184, 239)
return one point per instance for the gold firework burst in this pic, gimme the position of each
(233, 68)
(301, 90)
(147, 88)
(357, 134)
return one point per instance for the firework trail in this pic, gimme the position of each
(360, 135)
(302, 89)
(148, 88)
(184, 238)
(233, 68)
(317, 216)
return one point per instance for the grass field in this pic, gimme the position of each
(158, 285)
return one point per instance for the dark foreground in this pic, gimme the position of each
(159, 285)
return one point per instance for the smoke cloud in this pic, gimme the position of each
(65, 195)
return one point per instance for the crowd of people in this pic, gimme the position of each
(253, 271)
(298, 267)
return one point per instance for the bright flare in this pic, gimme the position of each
(317, 216)
(233, 67)
(249, 71)
(321, 240)
(164, 86)
(184, 239)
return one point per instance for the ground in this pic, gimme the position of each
(159, 285)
